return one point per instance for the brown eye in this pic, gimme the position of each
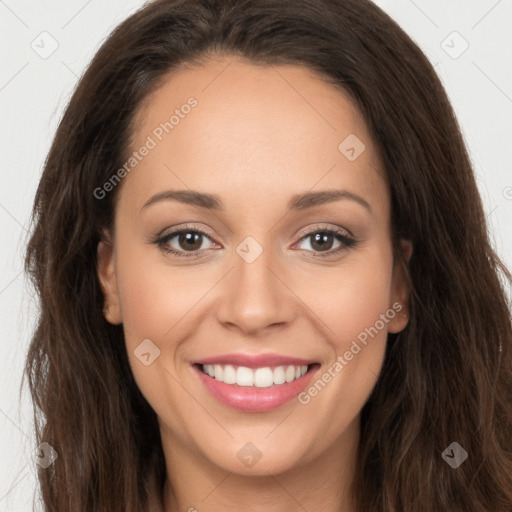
(190, 240)
(322, 241)
(328, 241)
(183, 242)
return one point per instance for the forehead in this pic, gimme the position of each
(272, 130)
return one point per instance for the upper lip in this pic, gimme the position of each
(254, 361)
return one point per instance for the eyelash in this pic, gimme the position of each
(346, 241)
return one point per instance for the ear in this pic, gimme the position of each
(400, 289)
(106, 268)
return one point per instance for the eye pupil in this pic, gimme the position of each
(321, 240)
(190, 238)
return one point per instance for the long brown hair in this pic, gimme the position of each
(446, 378)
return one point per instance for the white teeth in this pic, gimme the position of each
(244, 376)
(290, 373)
(259, 377)
(218, 372)
(229, 374)
(263, 378)
(279, 377)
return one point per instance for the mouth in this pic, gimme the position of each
(255, 388)
(263, 377)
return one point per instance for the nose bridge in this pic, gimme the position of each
(253, 297)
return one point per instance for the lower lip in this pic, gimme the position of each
(253, 399)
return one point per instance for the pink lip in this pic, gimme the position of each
(254, 361)
(253, 399)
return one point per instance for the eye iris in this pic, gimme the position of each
(321, 238)
(190, 238)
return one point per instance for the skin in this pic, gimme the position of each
(258, 135)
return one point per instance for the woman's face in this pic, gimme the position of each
(288, 265)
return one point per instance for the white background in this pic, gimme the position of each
(34, 92)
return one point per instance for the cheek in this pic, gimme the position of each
(354, 310)
(155, 300)
(350, 298)
(361, 298)
(154, 296)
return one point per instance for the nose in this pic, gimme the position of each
(255, 296)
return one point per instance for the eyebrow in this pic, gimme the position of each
(210, 201)
(310, 199)
(297, 202)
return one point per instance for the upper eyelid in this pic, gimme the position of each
(309, 231)
(322, 228)
(184, 229)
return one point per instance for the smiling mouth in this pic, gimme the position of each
(263, 377)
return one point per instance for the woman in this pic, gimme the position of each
(336, 337)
